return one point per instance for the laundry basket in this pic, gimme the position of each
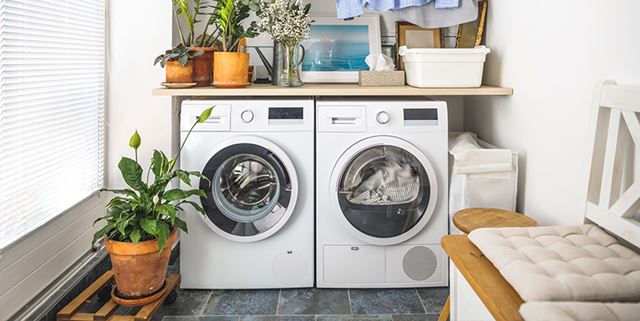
(482, 175)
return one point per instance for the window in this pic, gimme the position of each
(52, 55)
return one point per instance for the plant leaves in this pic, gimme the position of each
(135, 140)
(132, 174)
(149, 225)
(101, 233)
(157, 163)
(135, 235)
(181, 224)
(175, 194)
(163, 233)
(205, 115)
(184, 177)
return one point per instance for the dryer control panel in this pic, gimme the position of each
(385, 115)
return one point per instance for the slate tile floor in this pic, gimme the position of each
(306, 305)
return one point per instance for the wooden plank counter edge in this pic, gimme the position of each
(502, 301)
(333, 90)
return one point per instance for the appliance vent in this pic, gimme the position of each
(419, 263)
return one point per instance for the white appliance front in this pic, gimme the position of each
(381, 182)
(257, 157)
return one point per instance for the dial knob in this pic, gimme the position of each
(383, 117)
(246, 116)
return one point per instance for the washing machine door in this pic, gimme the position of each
(252, 191)
(384, 190)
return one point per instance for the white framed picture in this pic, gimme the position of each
(336, 49)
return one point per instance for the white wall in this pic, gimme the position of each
(135, 39)
(552, 54)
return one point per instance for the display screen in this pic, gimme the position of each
(420, 114)
(285, 112)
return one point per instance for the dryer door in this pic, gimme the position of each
(384, 190)
(253, 189)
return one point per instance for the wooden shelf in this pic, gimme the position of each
(334, 90)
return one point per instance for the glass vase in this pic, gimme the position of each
(292, 55)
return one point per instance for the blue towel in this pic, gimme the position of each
(353, 8)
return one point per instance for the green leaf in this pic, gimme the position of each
(175, 194)
(101, 233)
(156, 163)
(134, 141)
(167, 210)
(205, 115)
(150, 226)
(197, 192)
(135, 235)
(184, 177)
(132, 173)
(163, 234)
(181, 224)
(195, 205)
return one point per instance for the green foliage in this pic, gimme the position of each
(228, 16)
(146, 211)
(180, 54)
(191, 16)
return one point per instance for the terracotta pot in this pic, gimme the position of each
(230, 69)
(177, 73)
(203, 66)
(139, 269)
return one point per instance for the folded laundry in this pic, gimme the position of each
(353, 8)
(432, 16)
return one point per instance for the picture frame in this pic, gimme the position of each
(470, 34)
(335, 50)
(412, 36)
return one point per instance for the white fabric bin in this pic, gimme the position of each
(444, 67)
(482, 175)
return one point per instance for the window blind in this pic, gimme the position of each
(51, 109)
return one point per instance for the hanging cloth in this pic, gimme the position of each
(430, 16)
(348, 9)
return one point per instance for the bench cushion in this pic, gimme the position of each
(562, 263)
(579, 311)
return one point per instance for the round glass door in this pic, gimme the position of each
(250, 193)
(385, 190)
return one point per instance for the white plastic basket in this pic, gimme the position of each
(444, 67)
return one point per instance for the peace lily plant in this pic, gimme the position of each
(142, 222)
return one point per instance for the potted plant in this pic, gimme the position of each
(231, 65)
(142, 222)
(177, 64)
(207, 41)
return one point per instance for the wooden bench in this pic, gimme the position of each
(494, 291)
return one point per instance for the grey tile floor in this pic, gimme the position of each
(306, 305)
(423, 304)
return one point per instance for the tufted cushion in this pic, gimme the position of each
(562, 263)
(580, 311)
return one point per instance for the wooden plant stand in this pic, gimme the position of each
(102, 287)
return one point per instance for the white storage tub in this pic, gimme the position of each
(444, 67)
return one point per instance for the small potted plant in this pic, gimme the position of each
(177, 64)
(231, 65)
(207, 41)
(142, 222)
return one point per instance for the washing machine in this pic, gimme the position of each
(259, 222)
(381, 192)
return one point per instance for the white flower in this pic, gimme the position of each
(285, 20)
(156, 199)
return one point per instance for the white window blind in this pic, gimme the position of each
(51, 109)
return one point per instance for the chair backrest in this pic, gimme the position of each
(613, 195)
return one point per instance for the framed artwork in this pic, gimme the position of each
(470, 34)
(412, 36)
(336, 49)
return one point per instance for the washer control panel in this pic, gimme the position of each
(383, 117)
(247, 116)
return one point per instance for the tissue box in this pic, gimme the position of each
(381, 78)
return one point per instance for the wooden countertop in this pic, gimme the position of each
(334, 90)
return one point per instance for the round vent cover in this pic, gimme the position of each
(419, 263)
(289, 268)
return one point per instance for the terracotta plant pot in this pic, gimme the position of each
(177, 73)
(203, 66)
(230, 69)
(139, 269)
